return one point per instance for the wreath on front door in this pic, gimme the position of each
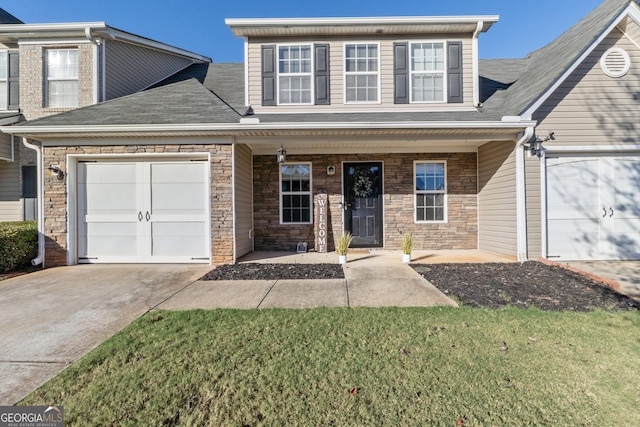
(362, 186)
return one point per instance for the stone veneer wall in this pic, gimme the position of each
(459, 232)
(55, 196)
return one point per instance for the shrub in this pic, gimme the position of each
(18, 245)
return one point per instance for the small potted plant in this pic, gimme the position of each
(342, 246)
(407, 245)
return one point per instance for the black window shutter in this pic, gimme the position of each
(454, 72)
(269, 75)
(13, 81)
(401, 73)
(321, 74)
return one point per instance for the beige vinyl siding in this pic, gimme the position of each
(131, 68)
(336, 70)
(497, 221)
(243, 188)
(10, 189)
(533, 193)
(590, 108)
(5, 147)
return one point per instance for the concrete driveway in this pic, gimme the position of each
(51, 318)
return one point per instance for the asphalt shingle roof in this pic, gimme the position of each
(214, 93)
(546, 65)
(7, 18)
(187, 101)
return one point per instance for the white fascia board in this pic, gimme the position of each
(632, 10)
(116, 34)
(62, 26)
(100, 29)
(203, 127)
(382, 20)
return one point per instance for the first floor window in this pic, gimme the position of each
(430, 191)
(295, 193)
(361, 72)
(427, 72)
(294, 74)
(62, 78)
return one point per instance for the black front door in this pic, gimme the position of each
(363, 203)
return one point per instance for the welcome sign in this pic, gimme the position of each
(322, 202)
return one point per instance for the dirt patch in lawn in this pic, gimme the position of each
(258, 271)
(531, 284)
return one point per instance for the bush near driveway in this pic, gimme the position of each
(18, 245)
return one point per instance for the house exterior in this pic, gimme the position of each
(46, 69)
(377, 126)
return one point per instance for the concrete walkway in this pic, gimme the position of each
(624, 274)
(371, 280)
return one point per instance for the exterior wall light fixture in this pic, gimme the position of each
(281, 155)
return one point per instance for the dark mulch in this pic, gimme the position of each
(256, 271)
(523, 285)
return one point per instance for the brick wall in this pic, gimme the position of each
(460, 231)
(32, 78)
(55, 196)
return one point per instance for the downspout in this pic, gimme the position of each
(476, 68)
(521, 195)
(40, 258)
(96, 64)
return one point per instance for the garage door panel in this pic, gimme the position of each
(185, 239)
(143, 212)
(603, 190)
(109, 239)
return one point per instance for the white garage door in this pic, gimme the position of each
(143, 212)
(593, 208)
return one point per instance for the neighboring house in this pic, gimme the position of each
(51, 68)
(394, 119)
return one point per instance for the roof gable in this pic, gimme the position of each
(7, 18)
(549, 66)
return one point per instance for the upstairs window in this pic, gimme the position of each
(4, 76)
(427, 72)
(62, 78)
(361, 72)
(294, 74)
(9, 83)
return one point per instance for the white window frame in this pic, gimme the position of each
(295, 193)
(47, 79)
(443, 72)
(417, 192)
(361, 73)
(4, 103)
(309, 74)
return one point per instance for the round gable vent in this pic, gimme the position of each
(615, 62)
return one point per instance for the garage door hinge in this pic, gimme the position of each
(551, 157)
(554, 256)
(198, 160)
(84, 257)
(87, 161)
(203, 259)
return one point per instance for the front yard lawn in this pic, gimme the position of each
(390, 366)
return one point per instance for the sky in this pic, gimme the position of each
(198, 25)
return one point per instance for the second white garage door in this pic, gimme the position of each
(143, 212)
(593, 208)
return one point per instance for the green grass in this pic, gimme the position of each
(438, 366)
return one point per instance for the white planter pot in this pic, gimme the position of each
(406, 257)
(342, 259)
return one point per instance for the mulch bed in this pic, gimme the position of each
(531, 284)
(257, 271)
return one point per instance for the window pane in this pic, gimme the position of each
(3, 95)
(62, 64)
(3, 65)
(63, 94)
